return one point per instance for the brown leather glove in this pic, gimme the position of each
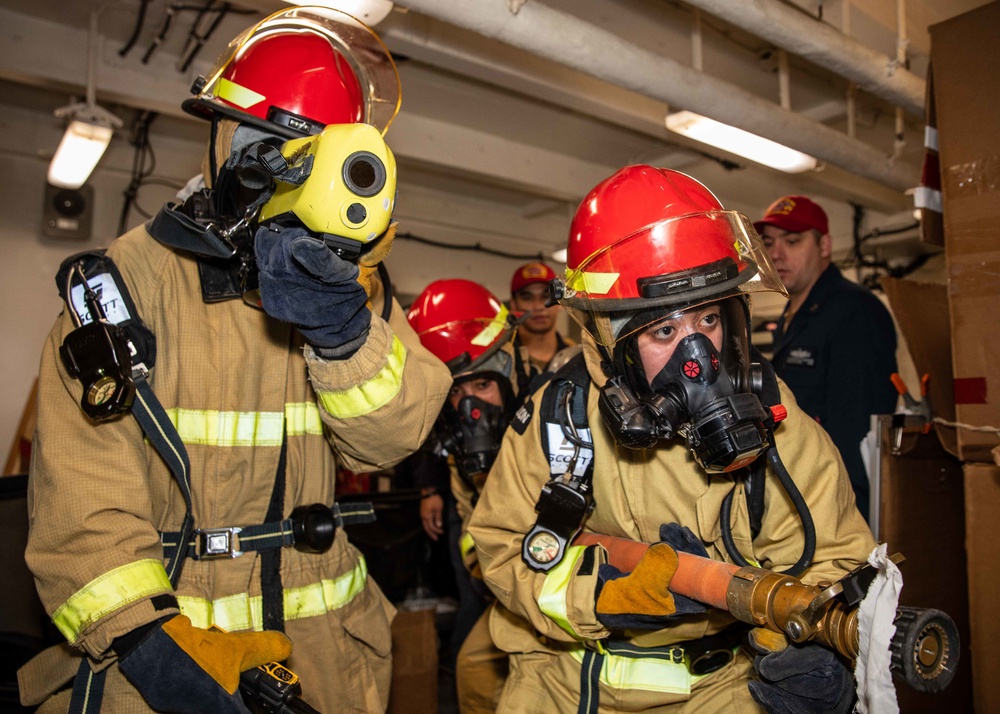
(765, 641)
(185, 669)
(644, 590)
(368, 263)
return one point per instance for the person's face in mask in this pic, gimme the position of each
(657, 342)
(486, 389)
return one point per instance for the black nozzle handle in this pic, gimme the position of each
(924, 649)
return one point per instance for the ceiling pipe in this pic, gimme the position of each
(792, 30)
(572, 42)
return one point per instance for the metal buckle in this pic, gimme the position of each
(676, 654)
(211, 543)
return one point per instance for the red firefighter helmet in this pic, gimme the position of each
(648, 238)
(299, 70)
(463, 325)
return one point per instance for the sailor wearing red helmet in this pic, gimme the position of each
(215, 507)
(664, 430)
(471, 331)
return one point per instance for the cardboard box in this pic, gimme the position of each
(922, 515)
(414, 663)
(982, 505)
(921, 312)
(967, 95)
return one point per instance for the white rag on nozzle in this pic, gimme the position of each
(876, 692)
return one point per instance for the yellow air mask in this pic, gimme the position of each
(349, 194)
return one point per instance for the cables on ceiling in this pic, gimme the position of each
(474, 247)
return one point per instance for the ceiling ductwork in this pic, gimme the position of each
(569, 41)
(818, 42)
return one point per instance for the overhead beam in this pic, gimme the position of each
(567, 40)
(822, 44)
(467, 54)
(35, 51)
(159, 87)
(493, 159)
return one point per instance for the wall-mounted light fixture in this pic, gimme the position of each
(87, 136)
(739, 142)
(90, 127)
(370, 12)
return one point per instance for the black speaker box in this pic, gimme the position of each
(68, 212)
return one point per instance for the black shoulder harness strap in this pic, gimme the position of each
(102, 275)
(567, 499)
(571, 382)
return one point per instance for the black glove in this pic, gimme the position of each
(628, 615)
(304, 283)
(187, 670)
(803, 679)
(683, 540)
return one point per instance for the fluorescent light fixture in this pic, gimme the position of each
(90, 127)
(740, 142)
(370, 12)
(559, 256)
(82, 146)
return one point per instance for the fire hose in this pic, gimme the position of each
(924, 648)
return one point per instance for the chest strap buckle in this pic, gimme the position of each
(214, 543)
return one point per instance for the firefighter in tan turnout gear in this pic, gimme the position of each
(664, 431)
(215, 504)
(467, 328)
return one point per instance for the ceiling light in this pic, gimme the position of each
(559, 256)
(740, 142)
(90, 127)
(87, 136)
(370, 12)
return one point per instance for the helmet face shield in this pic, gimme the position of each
(676, 263)
(483, 339)
(643, 353)
(465, 326)
(360, 67)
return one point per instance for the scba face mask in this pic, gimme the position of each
(707, 397)
(694, 395)
(473, 432)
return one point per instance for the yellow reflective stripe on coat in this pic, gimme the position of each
(242, 612)
(109, 592)
(466, 545)
(303, 418)
(373, 394)
(552, 599)
(210, 427)
(648, 674)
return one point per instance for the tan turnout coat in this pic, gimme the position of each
(636, 491)
(232, 378)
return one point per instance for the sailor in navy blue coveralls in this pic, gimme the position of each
(837, 355)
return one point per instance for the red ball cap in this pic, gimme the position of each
(795, 214)
(529, 274)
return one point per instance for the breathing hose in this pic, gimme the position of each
(808, 548)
